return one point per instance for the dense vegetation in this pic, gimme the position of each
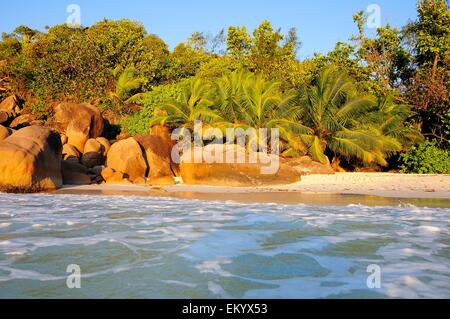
(426, 158)
(362, 104)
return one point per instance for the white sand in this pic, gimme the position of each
(380, 184)
(377, 184)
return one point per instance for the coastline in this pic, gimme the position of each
(340, 189)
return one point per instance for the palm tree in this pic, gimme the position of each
(229, 91)
(196, 103)
(128, 83)
(246, 100)
(390, 118)
(333, 109)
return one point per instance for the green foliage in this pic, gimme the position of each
(127, 83)
(378, 65)
(126, 89)
(391, 119)
(239, 43)
(39, 109)
(344, 56)
(245, 100)
(432, 31)
(77, 63)
(333, 108)
(195, 103)
(216, 68)
(428, 89)
(139, 123)
(329, 117)
(185, 61)
(426, 158)
(135, 124)
(265, 52)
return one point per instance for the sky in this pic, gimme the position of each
(320, 23)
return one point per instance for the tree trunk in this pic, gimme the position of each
(435, 63)
(335, 164)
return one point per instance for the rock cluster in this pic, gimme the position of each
(30, 161)
(35, 158)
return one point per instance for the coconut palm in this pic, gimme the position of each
(127, 84)
(196, 103)
(229, 90)
(390, 118)
(246, 100)
(333, 109)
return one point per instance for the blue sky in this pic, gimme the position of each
(320, 23)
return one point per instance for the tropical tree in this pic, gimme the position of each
(127, 85)
(428, 90)
(391, 119)
(267, 51)
(332, 109)
(195, 103)
(229, 92)
(248, 101)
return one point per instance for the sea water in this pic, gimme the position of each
(149, 247)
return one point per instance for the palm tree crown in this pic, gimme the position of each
(333, 109)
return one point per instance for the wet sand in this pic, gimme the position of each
(339, 189)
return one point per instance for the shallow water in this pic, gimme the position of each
(146, 247)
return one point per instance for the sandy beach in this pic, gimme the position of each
(377, 188)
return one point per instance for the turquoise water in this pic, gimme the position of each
(141, 247)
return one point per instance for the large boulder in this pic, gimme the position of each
(64, 139)
(70, 152)
(93, 154)
(79, 122)
(9, 109)
(74, 173)
(211, 165)
(105, 143)
(163, 132)
(127, 157)
(4, 117)
(158, 156)
(97, 170)
(93, 146)
(30, 161)
(24, 121)
(4, 132)
(306, 166)
(112, 177)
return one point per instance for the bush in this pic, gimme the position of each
(78, 63)
(139, 123)
(135, 124)
(40, 110)
(425, 158)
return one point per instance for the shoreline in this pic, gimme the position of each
(341, 188)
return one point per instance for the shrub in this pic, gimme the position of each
(40, 110)
(426, 158)
(139, 123)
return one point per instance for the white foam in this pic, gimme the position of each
(430, 229)
(214, 266)
(16, 253)
(180, 283)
